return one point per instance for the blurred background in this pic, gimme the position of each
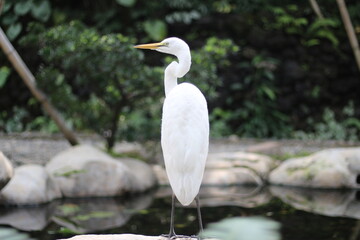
(269, 69)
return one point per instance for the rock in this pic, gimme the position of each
(230, 176)
(230, 168)
(142, 174)
(6, 170)
(330, 168)
(85, 171)
(30, 185)
(160, 174)
(124, 237)
(237, 168)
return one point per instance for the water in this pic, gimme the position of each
(304, 214)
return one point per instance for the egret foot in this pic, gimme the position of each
(174, 236)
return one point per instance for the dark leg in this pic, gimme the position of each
(172, 234)
(172, 231)
(199, 213)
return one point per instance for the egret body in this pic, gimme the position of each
(185, 127)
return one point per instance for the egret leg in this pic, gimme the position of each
(172, 230)
(197, 200)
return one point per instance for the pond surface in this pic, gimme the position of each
(304, 214)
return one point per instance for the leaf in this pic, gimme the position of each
(126, 3)
(156, 29)
(312, 42)
(21, 8)
(243, 228)
(6, 7)
(4, 73)
(9, 19)
(269, 92)
(13, 31)
(41, 11)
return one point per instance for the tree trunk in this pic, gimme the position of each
(29, 81)
(349, 30)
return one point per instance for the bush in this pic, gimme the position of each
(96, 80)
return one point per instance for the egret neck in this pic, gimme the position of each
(176, 70)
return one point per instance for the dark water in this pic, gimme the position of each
(304, 214)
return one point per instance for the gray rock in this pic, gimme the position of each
(30, 185)
(230, 168)
(261, 165)
(142, 175)
(331, 168)
(85, 171)
(230, 176)
(6, 170)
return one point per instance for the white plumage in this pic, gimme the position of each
(184, 140)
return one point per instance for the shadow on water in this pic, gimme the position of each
(303, 213)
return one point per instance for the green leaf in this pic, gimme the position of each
(312, 42)
(41, 11)
(4, 73)
(126, 3)
(156, 29)
(6, 7)
(9, 19)
(244, 228)
(21, 8)
(13, 31)
(269, 92)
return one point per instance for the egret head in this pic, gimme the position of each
(172, 45)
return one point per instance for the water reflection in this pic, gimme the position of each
(334, 203)
(98, 214)
(84, 215)
(78, 215)
(27, 218)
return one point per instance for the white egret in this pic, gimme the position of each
(184, 129)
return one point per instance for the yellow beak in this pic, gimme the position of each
(152, 46)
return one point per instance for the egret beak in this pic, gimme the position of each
(151, 46)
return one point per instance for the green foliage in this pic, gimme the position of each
(156, 29)
(126, 3)
(290, 20)
(4, 73)
(330, 128)
(206, 62)
(252, 95)
(96, 80)
(15, 12)
(255, 96)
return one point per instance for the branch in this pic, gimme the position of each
(316, 8)
(29, 81)
(349, 30)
